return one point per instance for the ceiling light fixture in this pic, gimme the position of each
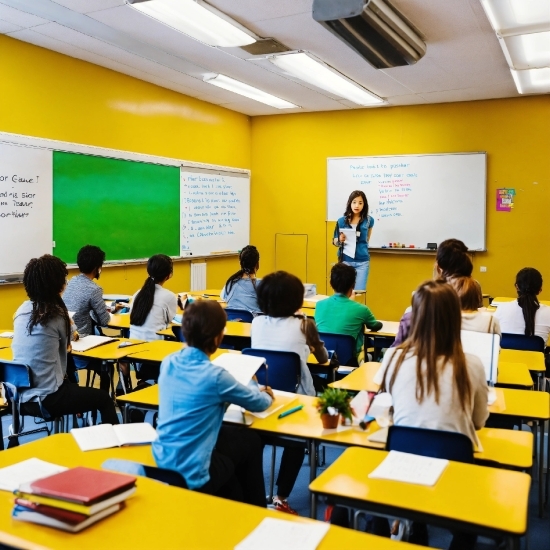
(374, 29)
(241, 88)
(523, 30)
(197, 19)
(303, 66)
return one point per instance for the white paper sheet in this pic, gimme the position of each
(8, 334)
(350, 242)
(275, 534)
(409, 468)
(27, 471)
(88, 342)
(241, 367)
(106, 436)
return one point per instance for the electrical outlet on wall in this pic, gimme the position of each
(483, 269)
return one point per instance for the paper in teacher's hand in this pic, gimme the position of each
(275, 534)
(350, 242)
(409, 468)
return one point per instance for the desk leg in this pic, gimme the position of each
(547, 461)
(312, 476)
(541, 467)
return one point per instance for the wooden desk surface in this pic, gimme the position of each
(506, 447)
(149, 519)
(514, 374)
(533, 359)
(494, 498)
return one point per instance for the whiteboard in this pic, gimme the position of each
(214, 211)
(26, 220)
(415, 199)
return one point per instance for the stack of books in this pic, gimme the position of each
(74, 499)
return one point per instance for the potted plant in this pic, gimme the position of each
(332, 404)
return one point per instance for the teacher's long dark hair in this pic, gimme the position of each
(249, 258)
(44, 279)
(159, 268)
(348, 214)
(529, 284)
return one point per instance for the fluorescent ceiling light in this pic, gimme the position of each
(196, 19)
(303, 66)
(528, 51)
(518, 16)
(532, 81)
(241, 88)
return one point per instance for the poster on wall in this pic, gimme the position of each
(505, 199)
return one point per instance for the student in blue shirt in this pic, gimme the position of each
(193, 394)
(240, 289)
(356, 217)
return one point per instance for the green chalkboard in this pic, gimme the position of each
(129, 209)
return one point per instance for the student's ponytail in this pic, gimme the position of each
(249, 258)
(159, 268)
(529, 284)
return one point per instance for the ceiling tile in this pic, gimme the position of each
(258, 10)
(20, 17)
(87, 6)
(6, 27)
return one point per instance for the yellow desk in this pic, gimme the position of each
(389, 329)
(514, 374)
(150, 518)
(120, 321)
(309, 311)
(214, 292)
(6, 353)
(155, 351)
(5, 342)
(112, 351)
(533, 359)
(493, 502)
(362, 378)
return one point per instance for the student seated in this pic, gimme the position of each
(41, 340)
(153, 307)
(280, 296)
(85, 298)
(433, 383)
(526, 315)
(474, 319)
(451, 260)
(193, 395)
(341, 314)
(240, 289)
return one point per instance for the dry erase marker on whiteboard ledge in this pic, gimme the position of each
(225, 252)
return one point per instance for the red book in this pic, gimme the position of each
(83, 485)
(57, 513)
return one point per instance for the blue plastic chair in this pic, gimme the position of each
(241, 315)
(521, 342)
(343, 345)
(16, 377)
(281, 371)
(433, 443)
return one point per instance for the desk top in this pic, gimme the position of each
(492, 497)
(503, 299)
(529, 405)
(5, 342)
(507, 447)
(533, 359)
(514, 374)
(389, 328)
(157, 350)
(119, 320)
(209, 522)
(111, 350)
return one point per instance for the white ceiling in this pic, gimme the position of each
(463, 61)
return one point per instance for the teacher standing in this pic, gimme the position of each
(356, 217)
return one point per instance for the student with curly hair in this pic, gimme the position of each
(41, 340)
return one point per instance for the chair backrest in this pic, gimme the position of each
(343, 345)
(521, 342)
(433, 443)
(241, 315)
(283, 369)
(176, 329)
(15, 377)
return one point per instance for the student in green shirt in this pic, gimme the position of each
(340, 314)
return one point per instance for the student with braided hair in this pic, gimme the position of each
(240, 289)
(153, 307)
(42, 339)
(526, 315)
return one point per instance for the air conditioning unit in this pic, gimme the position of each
(374, 29)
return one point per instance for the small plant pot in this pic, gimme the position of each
(330, 422)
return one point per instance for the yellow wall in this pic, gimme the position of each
(289, 155)
(49, 95)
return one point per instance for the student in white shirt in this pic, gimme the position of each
(433, 383)
(280, 296)
(526, 315)
(474, 319)
(153, 307)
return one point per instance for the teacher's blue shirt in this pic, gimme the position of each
(193, 394)
(362, 246)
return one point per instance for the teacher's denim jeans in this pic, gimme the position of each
(362, 269)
